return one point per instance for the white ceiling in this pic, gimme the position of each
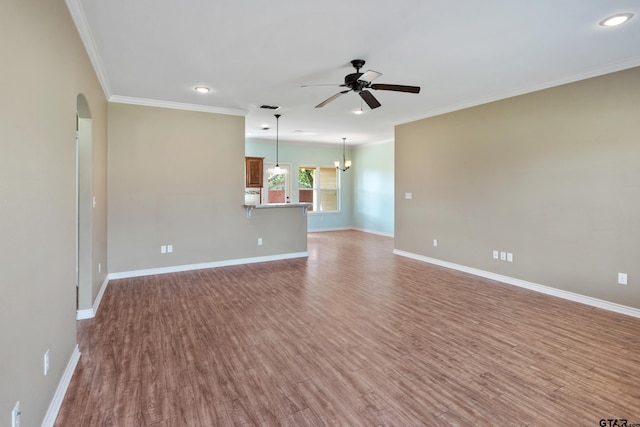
(253, 52)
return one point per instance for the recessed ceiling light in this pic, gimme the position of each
(616, 20)
(202, 89)
(358, 111)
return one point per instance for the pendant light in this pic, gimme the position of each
(346, 163)
(277, 169)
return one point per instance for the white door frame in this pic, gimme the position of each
(287, 168)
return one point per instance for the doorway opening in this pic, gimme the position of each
(84, 204)
(277, 184)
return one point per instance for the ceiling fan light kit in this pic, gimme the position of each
(360, 83)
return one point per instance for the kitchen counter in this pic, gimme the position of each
(305, 207)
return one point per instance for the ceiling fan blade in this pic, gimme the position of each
(326, 101)
(369, 76)
(371, 100)
(396, 88)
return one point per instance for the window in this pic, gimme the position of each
(319, 186)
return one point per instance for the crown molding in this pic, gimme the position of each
(380, 142)
(82, 25)
(613, 67)
(175, 105)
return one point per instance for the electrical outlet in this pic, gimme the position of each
(163, 249)
(259, 241)
(622, 278)
(15, 415)
(46, 362)
(435, 243)
(169, 248)
(408, 196)
(496, 255)
(509, 257)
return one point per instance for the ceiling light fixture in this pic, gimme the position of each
(346, 163)
(202, 89)
(615, 20)
(360, 111)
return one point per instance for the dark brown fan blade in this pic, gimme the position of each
(326, 101)
(371, 100)
(397, 88)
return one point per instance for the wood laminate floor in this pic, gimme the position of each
(352, 336)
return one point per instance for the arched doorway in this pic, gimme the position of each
(84, 206)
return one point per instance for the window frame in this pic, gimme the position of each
(316, 189)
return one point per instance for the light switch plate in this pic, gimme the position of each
(46, 362)
(622, 278)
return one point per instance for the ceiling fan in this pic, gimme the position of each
(360, 83)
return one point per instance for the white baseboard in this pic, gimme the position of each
(58, 397)
(379, 233)
(364, 230)
(91, 312)
(571, 296)
(103, 287)
(200, 266)
(322, 230)
(85, 314)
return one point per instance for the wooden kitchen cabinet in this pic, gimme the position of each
(253, 171)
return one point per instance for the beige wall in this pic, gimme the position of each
(552, 177)
(44, 68)
(177, 177)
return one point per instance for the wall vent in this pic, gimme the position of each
(269, 107)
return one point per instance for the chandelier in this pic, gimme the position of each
(346, 164)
